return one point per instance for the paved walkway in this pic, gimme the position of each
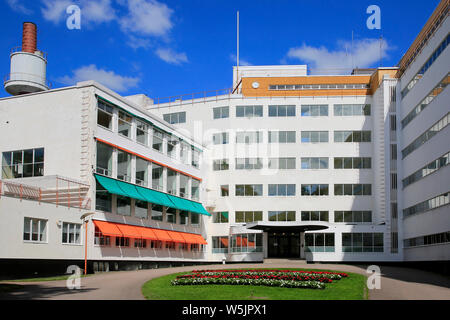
(396, 283)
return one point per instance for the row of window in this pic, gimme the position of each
(426, 65)
(35, 230)
(427, 205)
(23, 163)
(245, 242)
(318, 86)
(427, 135)
(290, 137)
(430, 168)
(362, 242)
(142, 170)
(351, 216)
(125, 206)
(427, 240)
(426, 101)
(175, 147)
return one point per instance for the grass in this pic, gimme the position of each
(40, 279)
(351, 288)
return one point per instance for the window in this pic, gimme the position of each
(220, 217)
(184, 185)
(352, 110)
(249, 190)
(362, 242)
(104, 159)
(314, 136)
(281, 215)
(171, 215)
(124, 124)
(195, 219)
(320, 110)
(249, 137)
(23, 163)
(281, 136)
(315, 216)
(221, 138)
(100, 239)
(172, 143)
(249, 111)
(427, 205)
(195, 160)
(314, 163)
(353, 216)
(247, 242)
(171, 181)
(142, 172)
(71, 233)
(140, 209)
(282, 111)
(122, 242)
(352, 163)
(248, 216)
(352, 189)
(141, 132)
(281, 163)
(221, 112)
(184, 152)
(140, 243)
(352, 136)
(35, 230)
(184, 217)
(104, 115)
(281, 189)
(427, 135)
(123, 205)
(224, 190)
(248, 163)
(157, 212)
(430, 168)
(319, 242)
(220, 244)
(195, 189)
(157, 177)
(221, 164)
(174, 118)
(314, 190)
(158, 138)
(103, 199)
(427, 240)
(123, 166)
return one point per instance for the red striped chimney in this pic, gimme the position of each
(29, 37)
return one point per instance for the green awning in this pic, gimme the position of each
(144, 194)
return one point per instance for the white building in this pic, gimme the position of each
(323, 168)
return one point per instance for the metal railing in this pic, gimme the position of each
(58, 190)
(203, 95)
(19, 49)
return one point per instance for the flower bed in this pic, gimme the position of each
(279, 278)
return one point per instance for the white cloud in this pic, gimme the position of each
(18, 7)
(366, 53)
(170, 56)
(136, 43)
(147, 17)
(242, 62)
(107, 78)
(91, 11)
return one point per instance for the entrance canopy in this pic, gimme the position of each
(290, 226)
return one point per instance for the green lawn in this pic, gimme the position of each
(351, 288)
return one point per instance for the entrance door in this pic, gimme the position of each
(283, 245)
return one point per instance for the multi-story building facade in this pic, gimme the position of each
(285, 164)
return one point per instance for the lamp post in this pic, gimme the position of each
(83, 218)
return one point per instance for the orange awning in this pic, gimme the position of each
(147, 233)
(193, 238)
(129, 231)
(176, 236)
(224, 242)
(108, 228)
(162, 235)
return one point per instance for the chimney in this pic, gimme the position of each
(29, 37)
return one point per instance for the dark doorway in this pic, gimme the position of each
(283, 245)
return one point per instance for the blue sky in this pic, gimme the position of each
(165, 48)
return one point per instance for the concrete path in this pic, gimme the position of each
(396, 283)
